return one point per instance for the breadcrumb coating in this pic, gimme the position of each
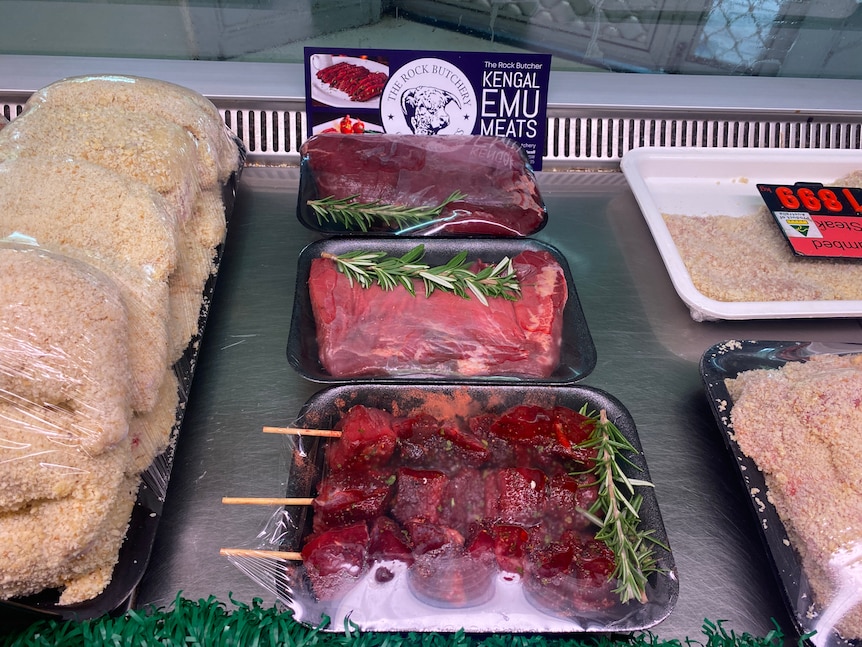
(199, 239)
(144, 147)
(151, 431)
(106, 243)
(747, 259)
(59, 531)
(217, 151)
(800, 425)
(116, 224)
(64, 344)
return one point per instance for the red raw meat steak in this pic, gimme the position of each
(502, 197)
(371, 331)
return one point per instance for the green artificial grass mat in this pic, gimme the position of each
(211, 623)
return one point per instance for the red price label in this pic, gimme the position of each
(815, 199)
(817, 220)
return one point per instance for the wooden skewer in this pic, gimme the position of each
(270, 554)
(298, 431)
(232, 500)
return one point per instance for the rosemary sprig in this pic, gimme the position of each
(617, 510)
(352, 214)
(389, 272)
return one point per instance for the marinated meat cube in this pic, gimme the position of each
(389, 542)
(426, 537)
(572, 430)
(501, 452)
(348, 500)
(515, 495)
(524, 424)
(571, 576)
(463, 501)
(335, 559)
(419, 495)
(424, 441)
(565, 496)
(508, 543)
(412, 434)
(548, 438)
(367, 440)
(372, 331)
(450, 577)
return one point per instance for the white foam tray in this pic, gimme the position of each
(704, 181)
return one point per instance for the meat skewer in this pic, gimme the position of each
(251, 552)
(240, 500)
(299, 431)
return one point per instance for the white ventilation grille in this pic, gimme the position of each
(573, 142)
(608, 139)
(273, 136)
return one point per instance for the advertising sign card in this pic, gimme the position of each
(817, 220)
(357, 91)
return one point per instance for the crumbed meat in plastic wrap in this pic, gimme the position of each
(422, 185)
(362, 332)
(800, 425)
(198, 241)
(68, 480)
(151, 433)
(64, 376)
(51, 543)
(155, 151)
(3, 121)
(117, 224)
(110, 188)
(138, 145)
(217, 150)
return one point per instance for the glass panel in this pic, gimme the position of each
(810, 38)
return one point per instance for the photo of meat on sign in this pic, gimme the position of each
(347, 81)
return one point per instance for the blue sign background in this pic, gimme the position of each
(429, 93)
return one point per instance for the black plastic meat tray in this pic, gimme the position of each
(388, 605)
(577, 353)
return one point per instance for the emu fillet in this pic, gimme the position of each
(502, 198)
(368, 332)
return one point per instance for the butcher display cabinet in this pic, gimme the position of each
(654, 106)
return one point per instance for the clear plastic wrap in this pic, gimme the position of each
(417, 185)
(64, 383)
(435, 510)
(3, 121)
(71, 542)
(64, 421)
(145, 148)
(198, 240)
(218, 154)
